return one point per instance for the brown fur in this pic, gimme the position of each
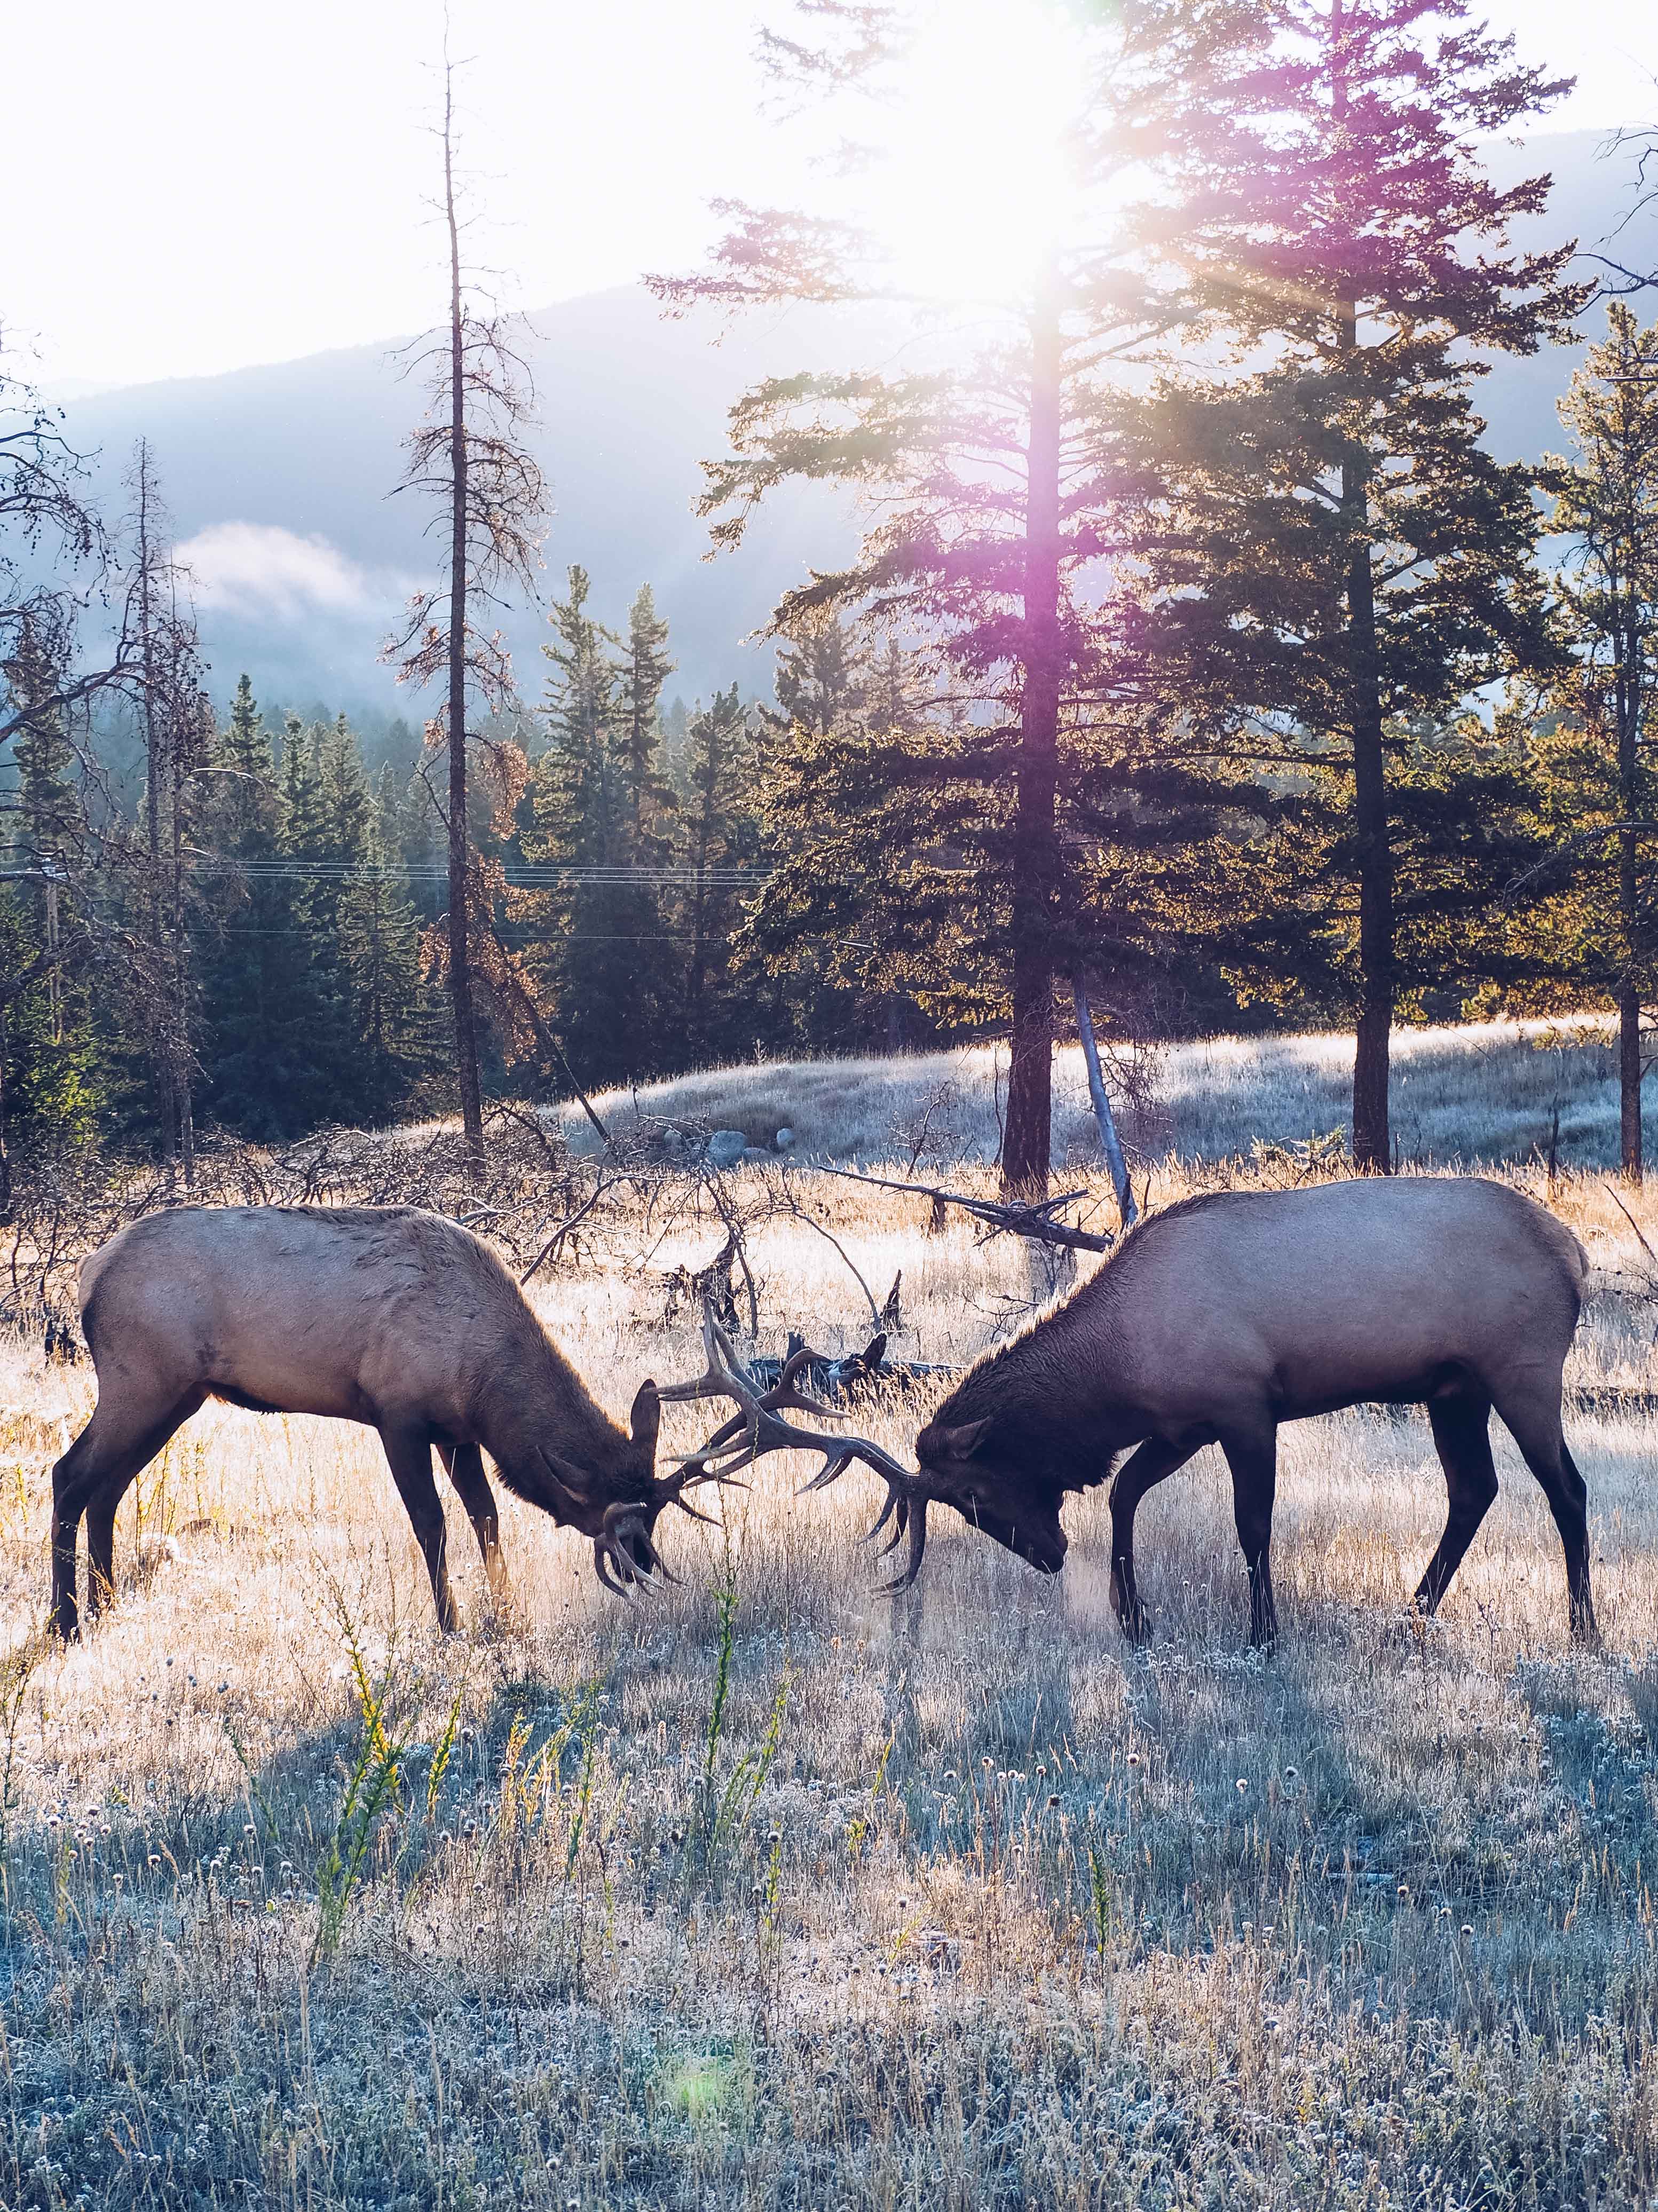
(1227, 1314)
(382, 1315)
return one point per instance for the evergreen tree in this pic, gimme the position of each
(648, 795)
(1338, 558)
(470, 454)
(344, 801)
(596, 803)
(51, 1080)
(394, 1019)
(1587, 930)
(721, 839)
(258, 1001)
(993, 518)
(820, 679)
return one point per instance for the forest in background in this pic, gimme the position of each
(1252, 689)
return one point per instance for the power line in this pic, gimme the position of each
(346, 871)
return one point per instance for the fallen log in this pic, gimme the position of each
(1035, 1221)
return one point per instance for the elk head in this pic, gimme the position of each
(998, 1492)
(623, 1525)
(758, 1427)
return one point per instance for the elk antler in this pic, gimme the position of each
(758, 1427)
(624, 1543)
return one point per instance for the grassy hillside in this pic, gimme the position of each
(1471, 1095)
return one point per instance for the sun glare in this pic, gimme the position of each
(979, 181)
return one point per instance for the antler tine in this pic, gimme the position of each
(759, 1426)
(720, 1373)
(625, 1521)
(916, 1515)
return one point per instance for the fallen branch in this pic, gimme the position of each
(1034, 1222)
(1632, 1222)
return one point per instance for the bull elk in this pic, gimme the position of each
(1216, 1320)
(383, 1315)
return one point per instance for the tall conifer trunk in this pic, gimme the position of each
(460, 969)
(1626, 696)
(167, 1102)
(1027, 1144)
(1372, 1143)
(1373, 1032)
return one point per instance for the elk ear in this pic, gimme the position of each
(645, 1418)
(963, 1443)
(568, 1478)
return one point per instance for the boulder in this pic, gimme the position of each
(784, 1140)
(726, 1147)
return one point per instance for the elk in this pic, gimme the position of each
(1223, 1317)
(383, 1315)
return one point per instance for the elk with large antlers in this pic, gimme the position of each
(383, 1315)
(1216, 1321)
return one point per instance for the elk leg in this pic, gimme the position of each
(409, 1454)
(1464, 1445)
(463, 1465)
(1155, 1459)
(1251, 1454)
(91, 1479)
(100, 1549)
(1536, 1430)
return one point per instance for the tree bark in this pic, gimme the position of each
(1110, 1142)
(179, 1075)
(460, 967)
(5, 1157)
(1372, 1141)
(1373, 1037)
(166, 1098)
(1629, 996)
(1027, 1143)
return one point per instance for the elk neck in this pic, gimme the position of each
(527, 1400)
(1064, 1384)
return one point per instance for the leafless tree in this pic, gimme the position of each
(176, 720)
(468, 455)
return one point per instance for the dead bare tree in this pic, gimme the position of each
(176, 719)
(468, 456)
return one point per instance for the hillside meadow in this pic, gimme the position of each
(770, 1892)
(1470, 1095)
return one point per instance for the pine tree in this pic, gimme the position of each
(593, 817)
(259, 1004)
(1337, 557)
(648, 795)
(722, 838)
(993, 517)
(470, 455)
(394, 1025)
(51, 1081)
(1592, 747)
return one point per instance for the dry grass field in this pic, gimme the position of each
(768, 1892)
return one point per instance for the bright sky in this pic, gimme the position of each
(201, 186)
